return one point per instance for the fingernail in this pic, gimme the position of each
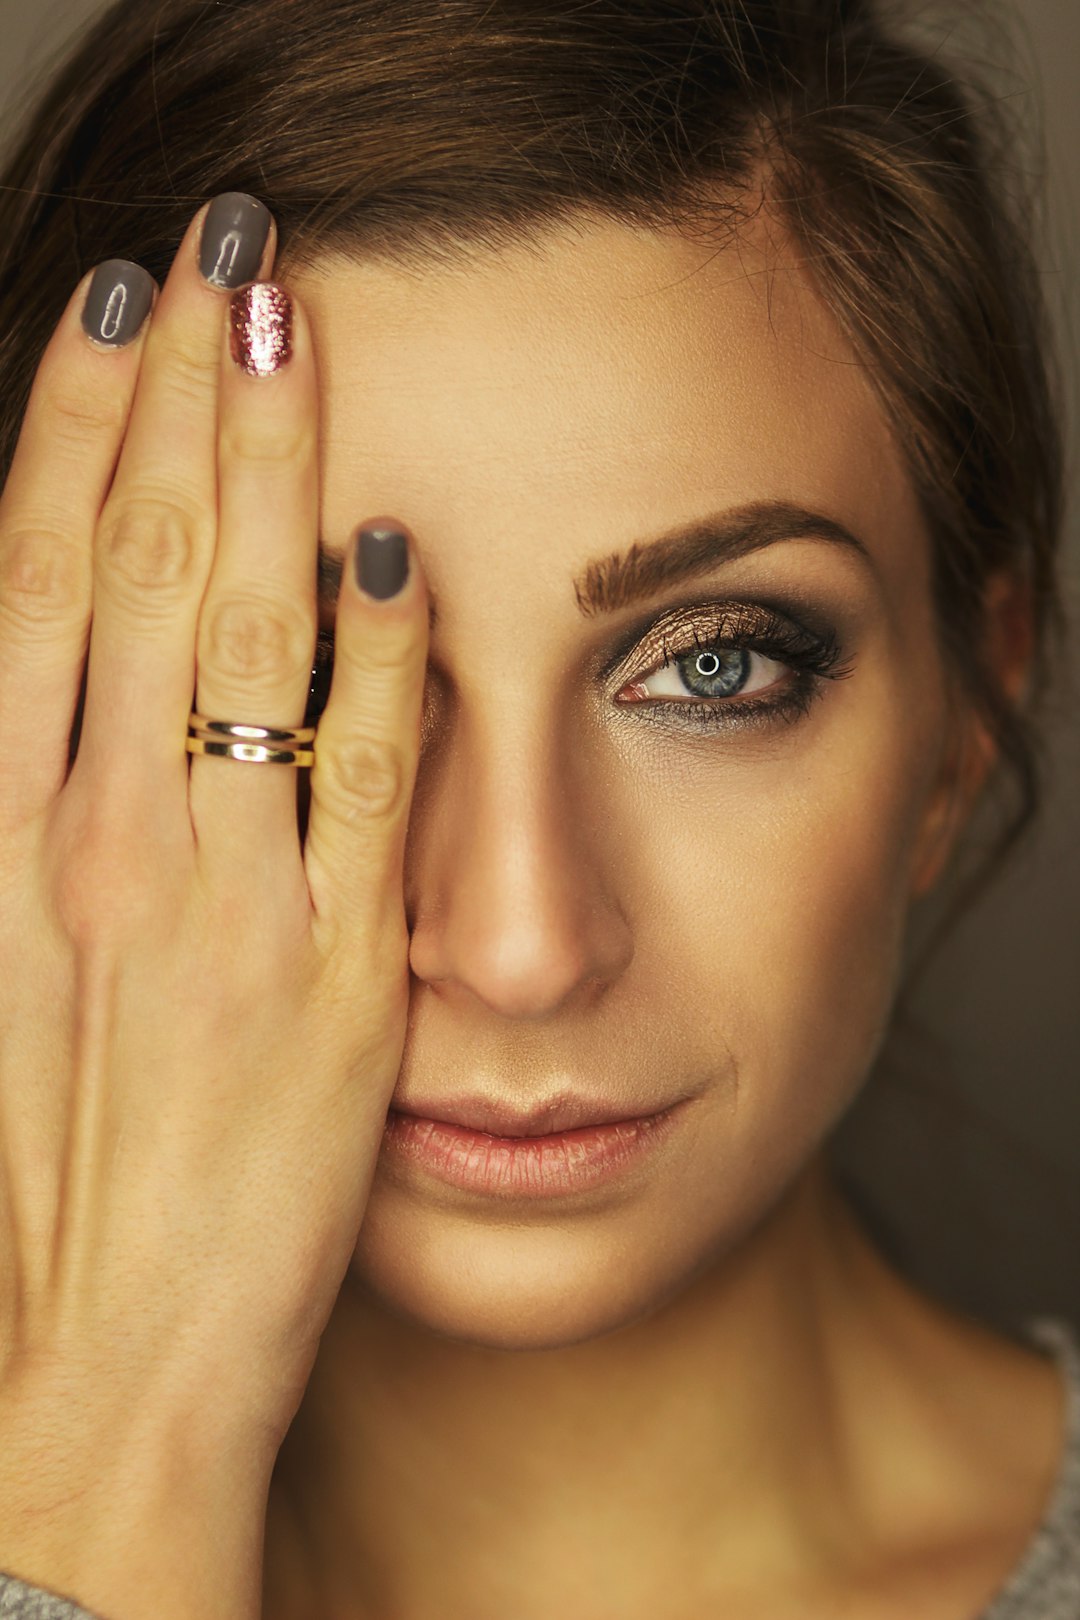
(260, 328)
(118, 301)
(234, 236)
(382, 561)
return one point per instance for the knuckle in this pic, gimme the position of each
(43, 576)
(388, 657)
(193, 370)
(100, 892)
(79, 902)
(150, 543)
(364, 956)
(266, 444)
(258, 641)
(361, 777)
(81, 417)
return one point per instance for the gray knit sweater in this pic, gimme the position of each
(1044, 1584)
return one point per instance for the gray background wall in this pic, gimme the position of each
(967, 1139)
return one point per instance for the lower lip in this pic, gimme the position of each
(524, 1166)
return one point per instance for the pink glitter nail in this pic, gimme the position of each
(260, 328)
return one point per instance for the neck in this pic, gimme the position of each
(722, 1434)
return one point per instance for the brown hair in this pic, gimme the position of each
(421, 129)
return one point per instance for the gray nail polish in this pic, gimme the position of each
(233, 238)
(382, 562)
(118, 300)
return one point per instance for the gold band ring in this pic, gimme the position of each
(259, 745)
(250, 751)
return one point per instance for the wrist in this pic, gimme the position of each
(130, 1507)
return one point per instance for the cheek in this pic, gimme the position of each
(791, 885)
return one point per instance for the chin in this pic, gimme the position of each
(507, 1286)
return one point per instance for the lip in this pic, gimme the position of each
(561, 1112)
(527, 1163)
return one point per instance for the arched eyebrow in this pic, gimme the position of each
(646, 567)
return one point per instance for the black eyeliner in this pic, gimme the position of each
(804, 615)
(812, 658)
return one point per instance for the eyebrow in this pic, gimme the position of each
(649, 566)
(646, 567)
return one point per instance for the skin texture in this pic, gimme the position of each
(698, 1384)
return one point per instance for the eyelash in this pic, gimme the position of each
(750, 627)
(813, 657)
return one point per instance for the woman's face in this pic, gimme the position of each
(606, 896)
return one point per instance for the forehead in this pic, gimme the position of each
(594, 386)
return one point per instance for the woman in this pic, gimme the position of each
(415, 1194)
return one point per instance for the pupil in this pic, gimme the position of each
(710, 672)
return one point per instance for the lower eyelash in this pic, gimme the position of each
(812, 664)
(711, 713)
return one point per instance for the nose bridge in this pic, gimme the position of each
(511, 898)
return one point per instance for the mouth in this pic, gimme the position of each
(493, 1151)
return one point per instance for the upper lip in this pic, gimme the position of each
(501, 1119)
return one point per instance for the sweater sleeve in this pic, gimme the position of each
(20, 1601)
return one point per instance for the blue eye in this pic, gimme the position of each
(712, 663)
(706, 672)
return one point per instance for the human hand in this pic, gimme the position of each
(202, 1019)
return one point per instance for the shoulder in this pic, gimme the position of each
(1044, 1582)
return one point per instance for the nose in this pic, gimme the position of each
(510, 881)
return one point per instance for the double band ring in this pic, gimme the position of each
(260, 745)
